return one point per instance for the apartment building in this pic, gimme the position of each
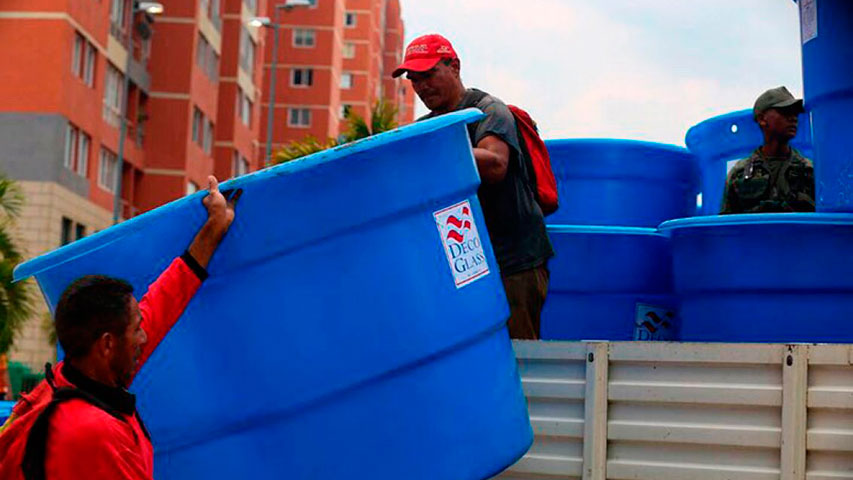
(333, 57)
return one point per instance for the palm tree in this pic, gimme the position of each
(16, 298)
(383, 117)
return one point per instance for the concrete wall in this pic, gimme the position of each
(32, 147)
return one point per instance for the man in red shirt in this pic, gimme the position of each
(81, 422)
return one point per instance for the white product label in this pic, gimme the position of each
(462, 244)
(808, 20)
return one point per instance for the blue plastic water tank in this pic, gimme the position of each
(343, 332)
(622, 182)
(827, 36)
(720, 142)
(609, 283)
(5, 411)
(764, 277)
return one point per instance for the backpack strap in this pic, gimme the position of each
(33, 464)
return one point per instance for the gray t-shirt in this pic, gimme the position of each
(515, 222)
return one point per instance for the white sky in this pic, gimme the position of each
(639, 69)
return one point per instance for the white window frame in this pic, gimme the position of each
(208, 137)
(304, 73)
(191, 187)
(72, 133)
(299, 117)
(113, 96)
(78, 50)
(346, 85)
(348, 52)
(304, 38)
(353, 16)
(107, 168)
(247, 52)
(239, 165)
(197, 129)
(84, 143)
(89, 65)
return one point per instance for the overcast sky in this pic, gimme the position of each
(640, 69)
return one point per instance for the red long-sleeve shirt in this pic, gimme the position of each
(85, 441)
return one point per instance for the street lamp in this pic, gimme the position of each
(150, 8)
(267, 22)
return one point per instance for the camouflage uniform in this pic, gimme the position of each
(760, 184)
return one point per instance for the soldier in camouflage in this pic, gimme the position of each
(776, 177)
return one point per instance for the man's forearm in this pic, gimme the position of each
(207, 240)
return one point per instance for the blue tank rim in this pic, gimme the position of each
(117, 232)
(845, 219)
(622, 143)
(602, 230)
(714, 121)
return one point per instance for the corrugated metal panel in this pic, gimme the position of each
(830, 413)
(554, 379)
(676, 411)
(682, 411)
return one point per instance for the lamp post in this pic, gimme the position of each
(266, 22)
(151, 8)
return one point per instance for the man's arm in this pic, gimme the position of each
(169, 295)
(492, 156)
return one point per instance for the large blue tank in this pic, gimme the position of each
(353, 325)
(609, 283)
(622, 182)
(764, 277)
(827, 38)
(720, 142)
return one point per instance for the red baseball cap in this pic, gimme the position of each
(424, 53)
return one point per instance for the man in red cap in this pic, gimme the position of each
(515, 221)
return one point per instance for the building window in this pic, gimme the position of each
(191, 188)
(299, 117)
(252, 5)
(117, 13)
(302, 77)
(208, 137)
(76, 156)
(107, 177)
(113, 91)
(239, 165)
(207, 59)
(345, 110)
(79, 231)
(346, 81)
(67, 225)
(71, 134)
(312, 3)
(89, 69)
(247, 52)
(77, 54)
(350, 19)
(83, 143)
(244, 108)
(198, 119)
(349, 50)
(304, 37)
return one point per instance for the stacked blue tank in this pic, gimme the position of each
(777, 277)
(827, 39)
(720, 142)
(611, 274)
(344, 331)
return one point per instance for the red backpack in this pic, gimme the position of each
(535, 155)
